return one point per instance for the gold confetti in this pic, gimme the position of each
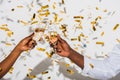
(79, 17)
(49, 78)
(82, 35)
(45, 72)
(31, 76)
(34, 22)
(55, 17)
(79, 38)
(11, 70)
(23, 22)
(34, 15)
(93, 22)
(60, 19)
(70, 71)
(102, 33)
(63, 2)
(91, 65)
(97, 8)
(50, 54)
(67, 65)
(54, 5)
(0, 69)
(29, 70)
(9, 33)
(8, 44)
(45, 14)
(4, 25)
(77, 20)
(116, 26)
(93, 27)
(41, 49)
(19, 6)
(73, 39)
(101, 43)
(4, 28)
(105, 10)
(44, 7)
(118, 40)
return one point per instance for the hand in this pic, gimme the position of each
(62, 48)
(26, 44)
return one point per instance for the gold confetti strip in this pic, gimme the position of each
(73, 39)
(49, 78)
(67, 65)
(50, 54)
(64, 34)
(31, 76)
(4, 25)
(11, 70)
(76, 48)
(41, 49)
(63, 27)
(34, 15)
(102, 33)
(99, 17)
(116, 26)
(34, 22)
(105, 10)
(23, 22)
(79, 38)
(53, 34)
(54, 5)
(44, 7)
(77, 20)
(82, 35)
(29, 70)
(9, 33)
(19, 6)
(45, 72)
(62, 11)
(60, 19)
(8, 44)
(63, 2)
(101, 43)
(0, 69)
(70, 71)
(79, 17)
(4, 28)
(93, 22)
(93, 27)
(97, 8)
(118, 40)
(91, 65)
(55, 17)
(45, 14)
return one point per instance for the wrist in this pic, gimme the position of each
(17, 49)
(71, 52)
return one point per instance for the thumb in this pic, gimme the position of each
(30, 37)
(60, 39)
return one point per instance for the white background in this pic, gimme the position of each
(37, 60)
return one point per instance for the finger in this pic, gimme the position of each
(58, 50)
(29, 37)
(32, 43)
(51, 45)
(58, 46)
(60, 39)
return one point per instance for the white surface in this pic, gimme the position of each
(38, 61)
